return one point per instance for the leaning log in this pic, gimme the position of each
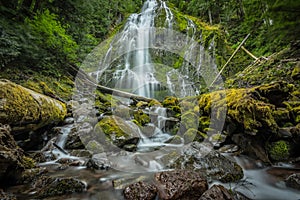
(25, 110)
(84, 81)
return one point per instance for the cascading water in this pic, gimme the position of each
(137, 73)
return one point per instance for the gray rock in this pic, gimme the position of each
(293, 181)
(99, 161)
(201, 157)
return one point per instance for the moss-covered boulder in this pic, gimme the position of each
(117, 131)
(189, 120)
(50, 186)
(251, 110)
(26, 110)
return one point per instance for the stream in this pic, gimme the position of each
(259, 182)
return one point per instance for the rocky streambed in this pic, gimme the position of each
(105, 149)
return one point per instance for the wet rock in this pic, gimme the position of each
(12, 159)
(70, 162)
(118, 131)
(81, 153)
(180, 184)
(123, 111)
(49, 186)
(7, 196)
(217, 139)
(140, 191)
(293, 181)
(39, 157)
(217, 192)
(69, 120)
(29, 175)
(74, 141)
(98, 161)
(202, 158)
(95, 147)
(251, 146)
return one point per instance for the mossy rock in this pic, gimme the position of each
(141, 118)
(279, 151)
(95, 147)
(50, 186)
(170, 101)
(193, 134)
(189, 120)
(117, 131)
(187, 105)
(249, 109)
(123, 112)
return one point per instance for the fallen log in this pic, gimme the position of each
(25, 110)
(87, 80)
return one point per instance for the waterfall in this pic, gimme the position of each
(137, 72)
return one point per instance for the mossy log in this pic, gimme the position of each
(25, 110)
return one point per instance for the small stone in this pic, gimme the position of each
(99, 161)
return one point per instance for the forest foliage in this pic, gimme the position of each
(41, 34)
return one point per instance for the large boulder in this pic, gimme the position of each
(47, 186)
(180, 184)
(115, 130)
(25, 110)
(202, 158)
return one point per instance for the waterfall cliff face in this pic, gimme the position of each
(137, 73)
(137, 61)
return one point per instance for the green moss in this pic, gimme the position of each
(95, 147)
(281, 116)
(204, 123)
(170, 101)
(154, 102)
(189, 120)
(113, 129)
(279, 151)
(243, 107)
(28, 163)
(296, 72)
(141, 117)
(26, 106)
